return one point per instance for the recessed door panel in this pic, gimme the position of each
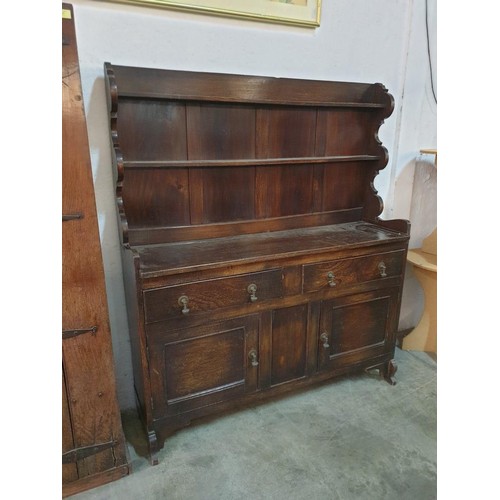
(209, 364)
(357, 327)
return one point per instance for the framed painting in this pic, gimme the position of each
(294, 12)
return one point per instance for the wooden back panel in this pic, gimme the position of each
(205, 155)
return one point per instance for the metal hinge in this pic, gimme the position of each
(67, 334)
(76, 454)
(67, 217)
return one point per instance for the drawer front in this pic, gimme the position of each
(203, 296)
(345, 272)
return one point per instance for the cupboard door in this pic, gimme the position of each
(357, 327)
(204, 365)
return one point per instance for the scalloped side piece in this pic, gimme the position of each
(112, 102)
(374, 205)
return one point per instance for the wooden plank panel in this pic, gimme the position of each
(317, 189)
(344, 185)
(157, 197)
(218, 131)
(226, 194)
(346, 132)
(152, 130)
(285, 132)
(283, 191)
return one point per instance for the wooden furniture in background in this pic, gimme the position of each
(254, 257)
(424, 336)
(94, 450)
(424, 260)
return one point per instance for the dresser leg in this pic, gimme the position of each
(153, 447)
(388, 370)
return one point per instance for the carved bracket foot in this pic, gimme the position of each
(388, 370)
(153, 448)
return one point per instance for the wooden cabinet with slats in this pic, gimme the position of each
(254, 257)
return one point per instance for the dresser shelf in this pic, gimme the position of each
(254, 257)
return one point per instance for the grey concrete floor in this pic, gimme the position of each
(354, 438)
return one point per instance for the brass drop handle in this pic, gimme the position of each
(382, 269)
(324, 338)
(331, 279)
(252, 290)
(252, 356)
(183, 301)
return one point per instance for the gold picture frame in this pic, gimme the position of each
(304, 13)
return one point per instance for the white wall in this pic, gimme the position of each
(417, 116)
(413, 187)
(357, 41)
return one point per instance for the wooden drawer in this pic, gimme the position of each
(345, 272)
(203, 296)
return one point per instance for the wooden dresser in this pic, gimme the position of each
(93, 443)
(254, 257)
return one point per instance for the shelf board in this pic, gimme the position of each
(247, 162)
(238, 100)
